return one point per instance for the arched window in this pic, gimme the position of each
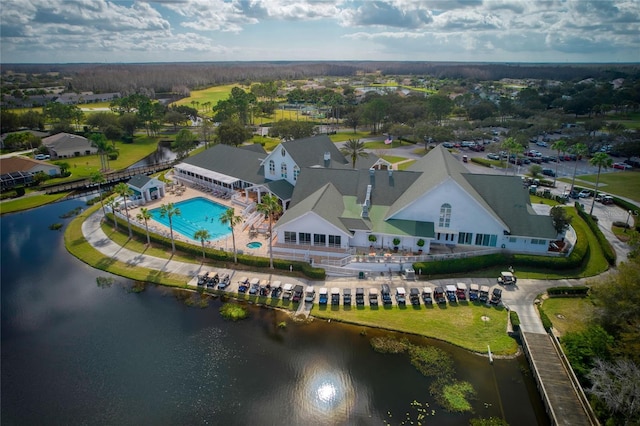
(283, 152)
(272, 167)
(296, 172)
(445, 216)
(283, 170)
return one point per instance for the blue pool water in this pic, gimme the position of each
(196, 213)
(254, 244)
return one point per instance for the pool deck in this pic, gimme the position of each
(242, 236)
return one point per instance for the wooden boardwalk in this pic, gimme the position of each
(563, 398)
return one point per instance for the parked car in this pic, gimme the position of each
(585, 193)
(323, 295)
(224, 282)
(243, 285)
(621, 166)
(542, 144)
(297, 293)
(401, 296)
(548, 172)
(493, 156)
(373, 297)
(287, 292)
(414, 296)
(474, 292)
(507, 278)
(483, 296)
(254, 285)
(310, 294)
(604, 198)
(42, 157)
(346, 296)
(386, 294)
(359, 296)
(496, 296)
(451, 293)
(276, 289)
(461, 291)
(335, 296)
(427, 295)
(438, 295)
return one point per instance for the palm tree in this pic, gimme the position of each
(144, 215)
(601, 159)
(353, 149)
(559, 146)
(579, 150)
(229, 218)
(270, 208)
(124, 191)
(512, 147)
(98, 177)
(114, 205)
(170, 210)
(202, 235)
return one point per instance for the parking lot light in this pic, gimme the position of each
(628, 216)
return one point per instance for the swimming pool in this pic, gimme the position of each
(196, 213)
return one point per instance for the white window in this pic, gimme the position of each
(272, 167)
(445, 216)
(283, 170)
(296, 172)
(283, 152)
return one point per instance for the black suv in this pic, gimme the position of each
(359, 296)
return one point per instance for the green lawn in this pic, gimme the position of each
(406, 165)
(569, 314)
(29, 202)
(460, 325)
(129, 153)
(343, 137)
(625, 184)
(382, 145)
(393, 159)
(211, 94)
(78, 246)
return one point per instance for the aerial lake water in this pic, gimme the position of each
(75, 352)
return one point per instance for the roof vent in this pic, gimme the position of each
(327, 159)
(367, 202)
(390, 172)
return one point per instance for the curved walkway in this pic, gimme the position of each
(519, 298)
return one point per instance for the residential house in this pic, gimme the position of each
(67, 145)
(20, 170)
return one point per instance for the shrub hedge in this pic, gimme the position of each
(607, 249)
(224, 256)
(515, 319)
(568, 291)
(546, 322)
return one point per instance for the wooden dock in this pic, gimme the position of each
(561, 393)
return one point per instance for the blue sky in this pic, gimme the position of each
(61, 31)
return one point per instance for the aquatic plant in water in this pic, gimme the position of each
(234, 311)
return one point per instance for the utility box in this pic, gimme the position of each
(409, 273)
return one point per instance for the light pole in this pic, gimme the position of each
(627, 222)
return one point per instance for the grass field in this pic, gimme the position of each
(29, 202)
(460, 325)
(569, 314)
(629, 120)
(211, 94)
(623, 183)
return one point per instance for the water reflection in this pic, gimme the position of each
(326, 393)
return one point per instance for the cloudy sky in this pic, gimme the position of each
(60, 31)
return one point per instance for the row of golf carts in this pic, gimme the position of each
(459, 293)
